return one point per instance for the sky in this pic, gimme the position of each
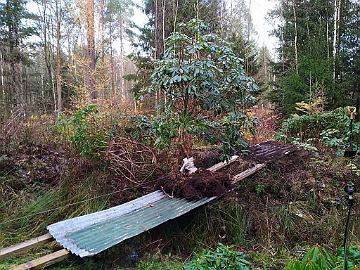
(258, 9)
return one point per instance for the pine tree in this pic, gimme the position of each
(13, 32)
(306, 65)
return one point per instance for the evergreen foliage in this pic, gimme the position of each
(307, 65)
(205, 86)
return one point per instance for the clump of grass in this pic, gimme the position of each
(30, 218)
(156, 262)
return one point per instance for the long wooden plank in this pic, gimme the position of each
(24, 246)
(44, 261)
(221, 165)
(237, 178)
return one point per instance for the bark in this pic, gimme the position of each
(335, 38)
(91, 76)
(222, 18)
(156, 53)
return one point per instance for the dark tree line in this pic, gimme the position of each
(318, 52)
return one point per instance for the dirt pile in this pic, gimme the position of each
(203, 183)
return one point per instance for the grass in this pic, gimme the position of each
(156, 263)
(26, 214)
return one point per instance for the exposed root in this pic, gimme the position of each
(201, 184)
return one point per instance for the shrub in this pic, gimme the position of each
(317, 258)
(327, 128)
(90, 130)
(205, 88)
(224, 257)
(82, 131)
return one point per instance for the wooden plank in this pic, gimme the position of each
(44, 261)
(29, 244)
(221, 165)
(237, 178)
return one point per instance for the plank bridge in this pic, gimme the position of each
(90, 234)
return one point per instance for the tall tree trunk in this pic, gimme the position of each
(122, 90)
(113, 89)
(58, 55)
(336, 36)
(15, 69)
(163, 35)
(163, 24)
(222, 18)
(2, 75)
(156, 52)
(49, 69)
(247, 47)
(175, 12)
(156, 30)
(295, 38)
(327, 34)
(91, 76)
(102, 44)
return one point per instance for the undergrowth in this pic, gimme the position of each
(273, 217)
(329, 130)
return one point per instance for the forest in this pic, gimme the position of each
(119, 117)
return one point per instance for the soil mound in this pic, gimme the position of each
(203, 183)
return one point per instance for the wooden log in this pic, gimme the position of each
(221, 165)
(44, 261)
(24, 246)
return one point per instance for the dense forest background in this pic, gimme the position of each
(105, 101)
(64, 53)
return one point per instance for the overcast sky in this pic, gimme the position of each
(259, 10)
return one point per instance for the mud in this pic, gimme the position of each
(201, 184)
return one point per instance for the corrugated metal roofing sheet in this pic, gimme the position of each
(90, 234)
